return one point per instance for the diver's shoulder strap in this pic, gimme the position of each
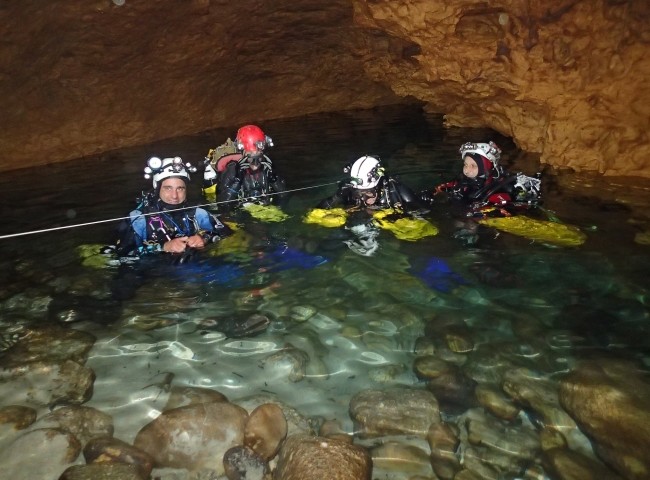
(139, 224)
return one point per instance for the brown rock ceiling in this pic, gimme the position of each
(569, 80)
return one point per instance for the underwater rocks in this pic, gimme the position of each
(265, 429)
(610, 401)
(48, 344)
(242, 463)
(56, 449)
(107, 451)
(103, 471)
(193, 437)
(238, 327)
(305, 457)
(84, 423)
(42, 384)
(393, 412)
(288, 359)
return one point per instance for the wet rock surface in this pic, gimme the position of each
(193, 437)
(311, 458)
(610, 400)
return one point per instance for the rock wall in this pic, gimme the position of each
(79, 77)
(568, 79)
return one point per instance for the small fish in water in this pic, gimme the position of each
(164, 385)
(242, 327)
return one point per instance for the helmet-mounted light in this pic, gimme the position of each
(159, 169)
(154, 163)
(490, 150)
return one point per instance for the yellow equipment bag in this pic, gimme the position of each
(404, 228)
(266, 213)
(334, 217)
(91, 255)
(235, 245)
(541, 230)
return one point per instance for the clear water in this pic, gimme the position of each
(368, 312)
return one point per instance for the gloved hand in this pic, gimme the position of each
(266, 163)
(242, 165)
(427, 196)
(209, 173)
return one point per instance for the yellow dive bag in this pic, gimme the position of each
(91, 255)
(333, 217)
(541, 230)
(404, 228)
(266, 213)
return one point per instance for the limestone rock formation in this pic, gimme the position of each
(568, 79)
(83, 77)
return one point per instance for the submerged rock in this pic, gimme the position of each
(443, 439)
(48, 384)
(181, 396)
(238, 327)
(400, 458)
(103, 471)
(610, 400)
(265, 429)
(303, 457)
(565, 463)
(56, 450)
(18, 416)
(394, 412)
(194, 437)
(108, 451)
(288, 358)
(49, 344)
(242, 463)
(85, 423)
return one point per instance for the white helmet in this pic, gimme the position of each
(491, 151)
(366, 172)
(165, 168)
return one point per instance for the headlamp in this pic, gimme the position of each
(467, 146)
(154, 163)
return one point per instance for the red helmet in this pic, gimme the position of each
(251, 138)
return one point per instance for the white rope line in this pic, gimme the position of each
(97, 222)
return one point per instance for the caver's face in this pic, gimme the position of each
(368, 197)
(173, 191)
(470, 168)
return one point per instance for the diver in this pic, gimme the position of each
(372, 199)
(245, 175)
(485, 187)
(163, 222)
(370, 188)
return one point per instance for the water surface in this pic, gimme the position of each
(357, 318)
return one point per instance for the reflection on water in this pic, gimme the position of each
(497, 319)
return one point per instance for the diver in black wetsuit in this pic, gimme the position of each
(485, 187)
(369, 187)
(163, 222)
(248, 176)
